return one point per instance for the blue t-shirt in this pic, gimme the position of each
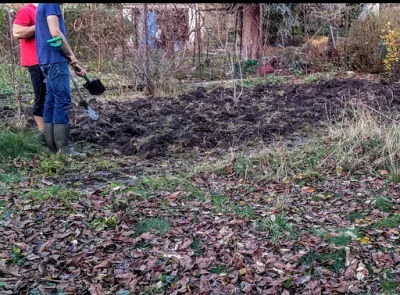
(47, 54)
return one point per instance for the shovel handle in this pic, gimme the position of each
(76, 68)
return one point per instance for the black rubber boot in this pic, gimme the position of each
(49, 136)
(61, 138)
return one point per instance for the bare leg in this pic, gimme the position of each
(40, 123)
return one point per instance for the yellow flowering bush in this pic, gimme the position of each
(391, 40)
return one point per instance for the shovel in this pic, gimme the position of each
(82, 102)
(57, 43)
(95, 87)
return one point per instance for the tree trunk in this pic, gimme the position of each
(260, 36)
(250, 31)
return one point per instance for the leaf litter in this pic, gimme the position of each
(332, 236)
(192, 249)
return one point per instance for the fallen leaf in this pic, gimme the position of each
(105, 264)
(360, 275)
(383, 172)
(96, 289)
(365, 240)
(308, 189)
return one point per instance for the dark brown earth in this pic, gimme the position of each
(154, 126)
(201, 120)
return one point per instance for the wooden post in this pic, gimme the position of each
(195, 37)
(261, 43)
(198, 41)
(146, 41)
(345, 40)
(123, 40)
(236, 28)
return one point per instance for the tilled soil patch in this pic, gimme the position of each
(204, 120)
(152, 126)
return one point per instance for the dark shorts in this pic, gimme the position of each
(39, 88)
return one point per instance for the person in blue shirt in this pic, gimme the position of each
(55, 67)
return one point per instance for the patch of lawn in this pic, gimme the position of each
(196, 246)
(244, 210)
(158, 224)
(63, 195)
(219, 203)
(388, 282)
(392, 221)
(277, 227)
(241, 164)
(383, 204)
(334, 261)
(16, 256)
(18, 145)
(356, 215)
(341, 240)
(53, 165)
(218, 269)
(9, 177)
(147, 186)
(101, 223)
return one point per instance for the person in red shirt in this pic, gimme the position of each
(24, 30)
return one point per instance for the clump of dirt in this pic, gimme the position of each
(153, 126)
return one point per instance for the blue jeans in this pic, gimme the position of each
(58, 93)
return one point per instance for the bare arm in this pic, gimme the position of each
(54, 27)
(22, 32)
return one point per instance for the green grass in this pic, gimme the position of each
(363, 139)
(10, 177)
(241, 165)
(10, 78)
(275, 80)
(219, 203)
(279, 163)
(395, 177)
(16, 257)
(58, 193)
(392, 221)
(218, 269)
(101, 223)
(341, 240)
(15, 144)
(158, 224)
(245, 211)
(334, 261)
(53, 165)
(388, 282)
(277, 227)
(18, 145)
(383, 204)
(311, 79)
(356, 215)
(345, 237)
(147, 186)
(196, 246)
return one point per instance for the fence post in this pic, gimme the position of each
(345, 40)
(146, 43)
(261, 43)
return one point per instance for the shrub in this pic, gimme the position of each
(364, 41)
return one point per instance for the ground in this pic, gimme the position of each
(199, 195)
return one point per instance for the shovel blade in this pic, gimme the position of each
(95, 87)
(91, 112)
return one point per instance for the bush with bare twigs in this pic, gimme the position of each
(364, 40)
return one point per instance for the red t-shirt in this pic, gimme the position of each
(26, 17)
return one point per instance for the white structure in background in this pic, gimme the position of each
(369, 9)
(127, 13)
